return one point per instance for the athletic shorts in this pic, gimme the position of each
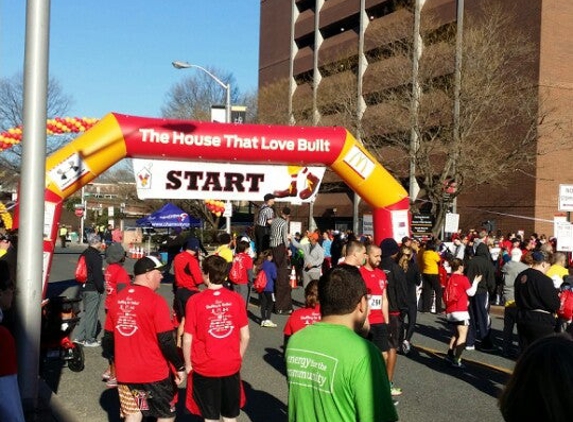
(378, 335)
(394, 330)
(464, 322)
(217, 397)
(182, 295)
(155, 399)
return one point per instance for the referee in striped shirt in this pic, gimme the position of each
(279, 244)
(263, 224)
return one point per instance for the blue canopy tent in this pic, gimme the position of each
(169, 216)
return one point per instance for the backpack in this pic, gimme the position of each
(81, 273)
(451, 292)
(236, 271)
(260, 281)
(566, 309)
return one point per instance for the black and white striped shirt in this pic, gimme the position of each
(265, 213)
(279, 233)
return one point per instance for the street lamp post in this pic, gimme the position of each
(227, 86)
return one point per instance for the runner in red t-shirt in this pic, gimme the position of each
(116, 279)
(188, 278)
(376, 282)
(244, 264)
(456, 297)
(303, 317)
(215, 338)
(139, 338)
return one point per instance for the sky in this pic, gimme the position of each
(115, 56)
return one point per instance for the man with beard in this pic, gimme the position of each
(334, 373)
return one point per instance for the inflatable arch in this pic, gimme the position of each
(118, 136)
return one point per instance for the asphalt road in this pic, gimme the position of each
(432, 390)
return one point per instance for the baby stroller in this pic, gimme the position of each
(59, 318)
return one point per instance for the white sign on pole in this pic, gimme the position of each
(564, 234)
(452, 223)
(367, 225)
(400, 225)
(565, 197)
(228, 210)
(295, 227)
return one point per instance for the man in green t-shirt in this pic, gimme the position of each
(333, 373)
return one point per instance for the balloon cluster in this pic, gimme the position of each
(6, 217)
(216, 207)
(55, 126)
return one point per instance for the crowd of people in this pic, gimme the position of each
(360, 313)
(363, 295)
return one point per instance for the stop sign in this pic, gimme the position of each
(79, 212)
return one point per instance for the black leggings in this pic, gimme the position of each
(411, 315)
(431, 284)
(267, 304)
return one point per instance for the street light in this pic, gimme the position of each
(184, 65)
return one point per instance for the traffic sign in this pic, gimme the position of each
(565, 197)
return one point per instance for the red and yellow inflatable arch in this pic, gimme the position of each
(118, 136)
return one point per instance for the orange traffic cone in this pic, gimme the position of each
(293, 280)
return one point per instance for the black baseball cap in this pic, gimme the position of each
(146, 264)
(268, 197)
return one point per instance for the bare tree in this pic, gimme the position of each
(273, 102)
(500, 112)
(193, 97)
(11, 109)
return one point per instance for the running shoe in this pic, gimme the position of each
(406, 347)
(92, 343)
(457, 363)
(395, 391)
(470, 347)
(78, 341)
(270, 324)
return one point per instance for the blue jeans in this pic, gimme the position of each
(89, 320)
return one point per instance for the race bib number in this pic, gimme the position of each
(375, 302)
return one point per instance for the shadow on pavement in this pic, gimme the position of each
(485, 378)
(276, 359)
(262, 406)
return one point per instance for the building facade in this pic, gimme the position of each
(338, 62)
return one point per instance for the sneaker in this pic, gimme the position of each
(92, 343)
(406, 347)
(457, 363)
(106, 375)
(264, 323)
(271, 324)
(111, 383)
(78, 341)
(470, 347)
(395, 391)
